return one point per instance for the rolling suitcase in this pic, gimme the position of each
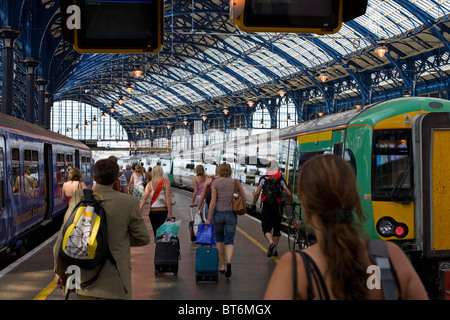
(167, 254)
(206, 264)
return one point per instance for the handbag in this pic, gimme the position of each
(205, 234)
(162, 198)
(238, 203)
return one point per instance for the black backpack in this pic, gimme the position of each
(271, 189)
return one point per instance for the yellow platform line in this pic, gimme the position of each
(46, 291)
(259, 245)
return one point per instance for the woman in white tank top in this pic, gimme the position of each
(161, 202)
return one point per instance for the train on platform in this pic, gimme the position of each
(34, 164)
(401, 155)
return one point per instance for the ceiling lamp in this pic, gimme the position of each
(112, 109)
(288, 118)
(281, 92)
(94, 120)
(103, 115)
(250, 103)
(129, 88)
(323, 75)
(320, 113)
(185, 121)
(77, 127)
(138, 71)
(381, 49)
(152, 129)
(204, 117)
(120, 101)
(262, 123)
(86, 123)
(168, 126)
(226, 111)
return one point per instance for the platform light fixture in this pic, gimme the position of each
(86, 123)
(168, 126)
(103, 116)
(152, 129)
(226, 111)
(112, 109)
(138, 71)
(288, 119)
(251, 103)
(381, 49)
(120, 100)
(261, 123)
(204, 117)
(185, 121)
(323, 75)
(281, 92)
(94, 120)
(129, 88)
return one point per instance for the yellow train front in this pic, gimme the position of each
(401, 154)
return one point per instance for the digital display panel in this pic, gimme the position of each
(120, 24)
(292, 13)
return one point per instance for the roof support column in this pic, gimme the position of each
(48, 108)
(42, 83)
(31, 66)
(9, 36)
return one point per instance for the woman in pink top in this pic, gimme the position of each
(73, 183)
(199, 183)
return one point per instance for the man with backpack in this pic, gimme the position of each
(272, 186)
(111, 277)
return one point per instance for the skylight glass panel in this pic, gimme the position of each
(436, 9)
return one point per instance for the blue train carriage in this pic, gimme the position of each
(401, 154)
(34, 163)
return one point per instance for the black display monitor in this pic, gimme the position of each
(115, 26)
(295, 16)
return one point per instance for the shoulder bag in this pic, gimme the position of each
(238, 203)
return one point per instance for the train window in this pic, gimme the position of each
(2, 178)
(69, 160)
(392, 172)
(31, 170)
(60, 168)
(15, 165)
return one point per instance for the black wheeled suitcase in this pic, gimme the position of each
(206, 264)
(167, 254)
(192, 232)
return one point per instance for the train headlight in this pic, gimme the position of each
(388, 227)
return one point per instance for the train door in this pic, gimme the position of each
(48, 180)
(431, 132)
(3, 210)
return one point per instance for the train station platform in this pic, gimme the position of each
(31, 277)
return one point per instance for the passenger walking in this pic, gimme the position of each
(136, 185)
(331, 206)
(222, 215)
(126, 228)
(272, 186)
(73, 183)
(205, 198)
(161, 199)
(198, 182)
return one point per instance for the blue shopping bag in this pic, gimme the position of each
(205, 234)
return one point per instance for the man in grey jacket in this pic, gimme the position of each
(125, 227)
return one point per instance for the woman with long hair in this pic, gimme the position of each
(331, 205)
(158, 189)
(199, 182)
(73, 183)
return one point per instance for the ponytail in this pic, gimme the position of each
(328, 191)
